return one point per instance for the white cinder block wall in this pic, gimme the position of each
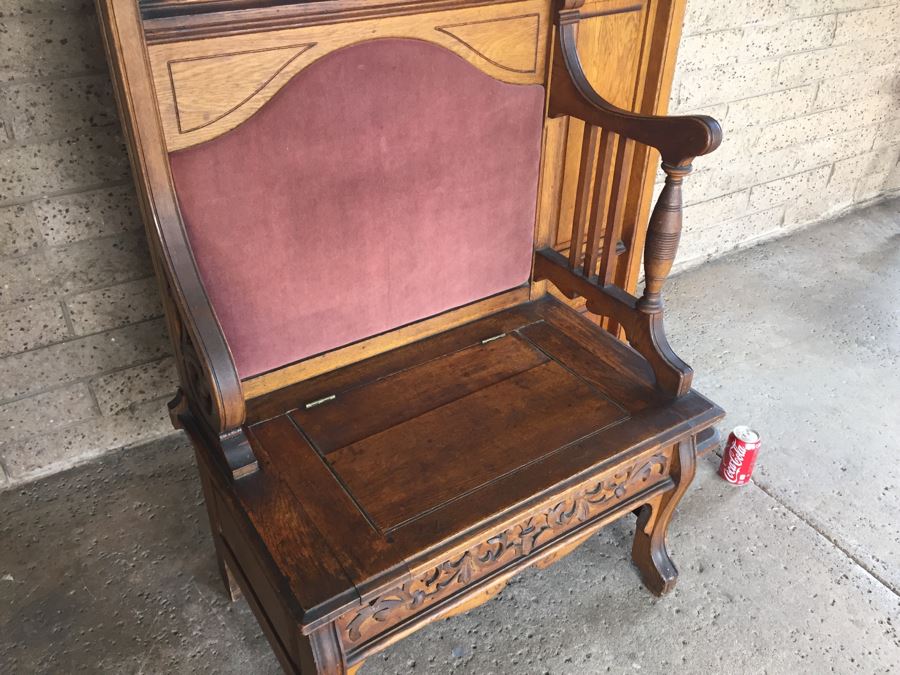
(808, 93)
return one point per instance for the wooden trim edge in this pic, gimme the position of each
(266, 383)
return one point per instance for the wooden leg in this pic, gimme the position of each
(232, 590)
(326, 652)
(708, 441)
(649, 549)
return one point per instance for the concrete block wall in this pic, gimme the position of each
(808, 93)
(84, 359)
(806, 89)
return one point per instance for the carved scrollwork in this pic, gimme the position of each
(198, 395)
(193, 381)
(448, 577)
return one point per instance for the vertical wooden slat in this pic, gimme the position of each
(598, 213)
(571, 158)
(582, 197)
(551, 180)
(617, 203)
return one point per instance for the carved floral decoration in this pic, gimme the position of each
(518, 541)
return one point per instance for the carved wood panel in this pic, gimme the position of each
(247, 72)
(508, 43)
(208, 86)
(547, 524)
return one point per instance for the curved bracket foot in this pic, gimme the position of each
(649, 551)
(649, 554)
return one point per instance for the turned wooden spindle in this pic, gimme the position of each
(663, 234)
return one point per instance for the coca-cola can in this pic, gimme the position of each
(739, 457)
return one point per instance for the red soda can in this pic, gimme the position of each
(739, 456)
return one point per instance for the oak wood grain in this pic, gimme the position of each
(207, 87)
(464, 444)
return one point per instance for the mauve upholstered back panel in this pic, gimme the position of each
(385, 183)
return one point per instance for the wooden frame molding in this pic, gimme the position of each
(209, 381)
(208, 87)
(174, 20)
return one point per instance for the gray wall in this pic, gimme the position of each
(806, 89)
(83, 351)
(808, 93)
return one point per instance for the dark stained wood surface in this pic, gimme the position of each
(309, 482)
(470, 442)
(607, 370)
(362, 412)
(339, 381)
(440, 437)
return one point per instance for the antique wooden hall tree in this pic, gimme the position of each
(377, 226)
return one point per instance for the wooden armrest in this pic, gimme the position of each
(678, 139)
(210, 398)
(643, 330)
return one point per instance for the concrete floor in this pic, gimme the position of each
(108, 568)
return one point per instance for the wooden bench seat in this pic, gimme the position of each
(365, 233)
(447, 464)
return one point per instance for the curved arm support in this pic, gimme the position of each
(644, 331)
(210, 387)
(678, 139)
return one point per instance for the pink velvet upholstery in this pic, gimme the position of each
(387, 182)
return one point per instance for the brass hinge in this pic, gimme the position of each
(491, 339)
(320, 401)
